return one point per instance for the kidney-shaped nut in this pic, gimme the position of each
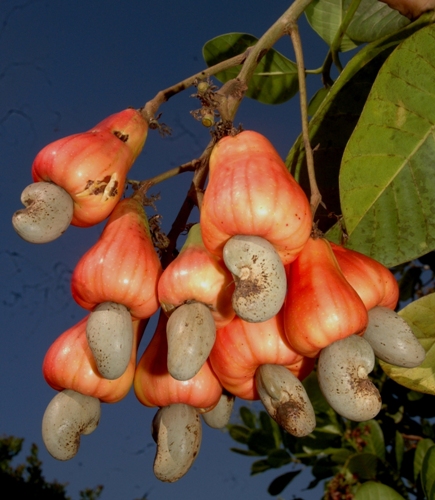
(285, 399)
(109, 331)
(259, 275)
(219, 416)
(191, 333)
(392, 339)
(48, 213)
(68, 415)
(177, 431)
(342, 372)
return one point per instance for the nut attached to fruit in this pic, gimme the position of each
(260, 277)
(48, 213)
(342, 371)
(392, 339)
(177, 431)
(109, 331)
(68, 415)
(285, 399)
(219, 416)
(191, 333)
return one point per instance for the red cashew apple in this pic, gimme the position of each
(373, 282)
(196, 275)
(123, 266)
(251, 192)
(321, 306)
(154, 386)
(92, 166)
(242, 347)
(69, 364)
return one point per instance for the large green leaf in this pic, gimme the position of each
(275, 79)
(387, 188)
(428, 472)
(421, 450)
(332, 124)
(371, 21)
(376, 491)
(325, 17)
(420, 315)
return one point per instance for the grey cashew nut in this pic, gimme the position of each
(69, 415)
(219, 416)
(48, 213)
(177, 431)
(109, 331)
(259, 275)
(191, 333)
(342, 372)
(285, 399)
(392, 339)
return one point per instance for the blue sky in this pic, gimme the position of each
(64, 66)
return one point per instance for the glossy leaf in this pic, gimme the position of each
(275, 79)
(386, 200)
(420, 452)
(428, 472)
(376, 491)
(281, 482)
(420, 315)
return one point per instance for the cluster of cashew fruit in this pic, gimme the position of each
(250, 303)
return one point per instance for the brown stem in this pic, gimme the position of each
(316, 197)
(233, 91)
(151, 107)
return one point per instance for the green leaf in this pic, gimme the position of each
(278, 458)
(376, 491)
(428, 472)
(420, 315)
(374, 20)
(373, 437)
(281, 482)
(334, 121)
(421, 450)
(364, 465)
(260, 466)
(371, 21)
(239, 433)
(261, 442)
(387, 202)
(248, 453)
(399, 449)
(275, 79)
(248, 418)
(325, 17)
(317, 100)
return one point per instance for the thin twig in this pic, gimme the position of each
(315, 196)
